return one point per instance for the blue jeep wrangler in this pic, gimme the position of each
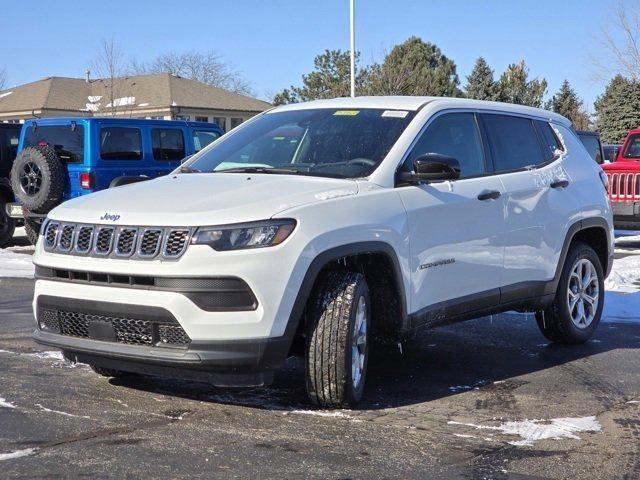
(63, 158)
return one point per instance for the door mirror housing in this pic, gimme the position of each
(431, 167)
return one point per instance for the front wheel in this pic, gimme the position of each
(577, 307)
(339, 318)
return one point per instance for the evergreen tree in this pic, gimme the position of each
(618, 109)
(414, 67)
(480, 84)
(514, 86)
(566, 103)
(330, 78)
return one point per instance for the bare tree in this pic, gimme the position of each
(621, 38)
(109, 66)
(3, 78)
(209, 67)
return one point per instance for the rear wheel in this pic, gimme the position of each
(577, 307)
(32, 229)
(7, 224)
(339, 318)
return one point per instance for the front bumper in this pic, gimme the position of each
(626, 215)
(247, 362)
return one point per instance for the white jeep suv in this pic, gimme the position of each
(315, 227)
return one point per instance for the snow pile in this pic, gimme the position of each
(531, 431)
(15, 264)
(122, 102)
(17, 454)
(5, 404)
(5, 94)
(625, 275)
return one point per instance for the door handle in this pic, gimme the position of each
(559, 184)
(489, 195)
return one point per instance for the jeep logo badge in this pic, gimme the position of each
(110, 218)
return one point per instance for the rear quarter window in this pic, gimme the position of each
(550, 141)
(120, 143)
(66, 140)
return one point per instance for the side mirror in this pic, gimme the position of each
(432, 167)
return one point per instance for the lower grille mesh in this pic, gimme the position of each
(130, 331)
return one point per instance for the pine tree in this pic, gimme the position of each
(415, 67)
(618, 109)
(566, 103)
(480, 83)
(514, 86)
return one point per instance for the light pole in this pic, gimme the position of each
(352, 41)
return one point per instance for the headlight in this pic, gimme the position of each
(266, 233)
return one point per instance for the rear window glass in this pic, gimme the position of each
(67, 141)
(120, 143)
(633, 147)
(514, 142)
(549, 139)
(203, 138)
(167, 144)
(592, 144)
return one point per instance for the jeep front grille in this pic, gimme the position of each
(140, 243)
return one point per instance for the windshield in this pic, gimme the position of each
(321, 142)
(633, 147)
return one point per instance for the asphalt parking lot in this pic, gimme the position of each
(489, 398)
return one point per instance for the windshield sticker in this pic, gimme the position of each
(395, 113)
(347, 113)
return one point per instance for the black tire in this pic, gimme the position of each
(331, 317)
(38, 179)
(7, 224)
(110, 372)
(555, 321)
(32, 229)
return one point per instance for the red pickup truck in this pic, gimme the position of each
(624, 183)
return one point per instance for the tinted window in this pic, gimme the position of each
(120, 143)
(68, 142)
(549, 139)
(10, 142)
(592, 144)
(455, 135)
(202, 138)
(611, 152)
(514, 142)
(167, 144)
(633, 147)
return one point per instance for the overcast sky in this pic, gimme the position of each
(273, 42)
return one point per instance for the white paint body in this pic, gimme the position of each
(516, 238)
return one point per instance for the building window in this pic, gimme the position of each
(183, 117)
(221, 122)
(120, 143)
(167, 144)
(202, 119)
(235, 122)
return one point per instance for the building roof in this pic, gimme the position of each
(416, 103)
(139, 92)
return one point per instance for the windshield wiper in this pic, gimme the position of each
(185, 169)
(276, 171)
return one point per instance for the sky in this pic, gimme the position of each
(274, 42)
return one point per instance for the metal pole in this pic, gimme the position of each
(352, 38)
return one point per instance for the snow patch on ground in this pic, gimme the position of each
(45, 409)
(531, 431)
(17, 454)
(5, 404)
(321, 413)
(15, 265)
(53, 354)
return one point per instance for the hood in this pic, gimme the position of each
(623, 164)
(196, 199)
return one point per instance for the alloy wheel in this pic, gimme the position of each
(583, 293)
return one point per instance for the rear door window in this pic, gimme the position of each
(120, 143)
(66, 140)
(202, 138)
(514, 142)
(167, 144)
